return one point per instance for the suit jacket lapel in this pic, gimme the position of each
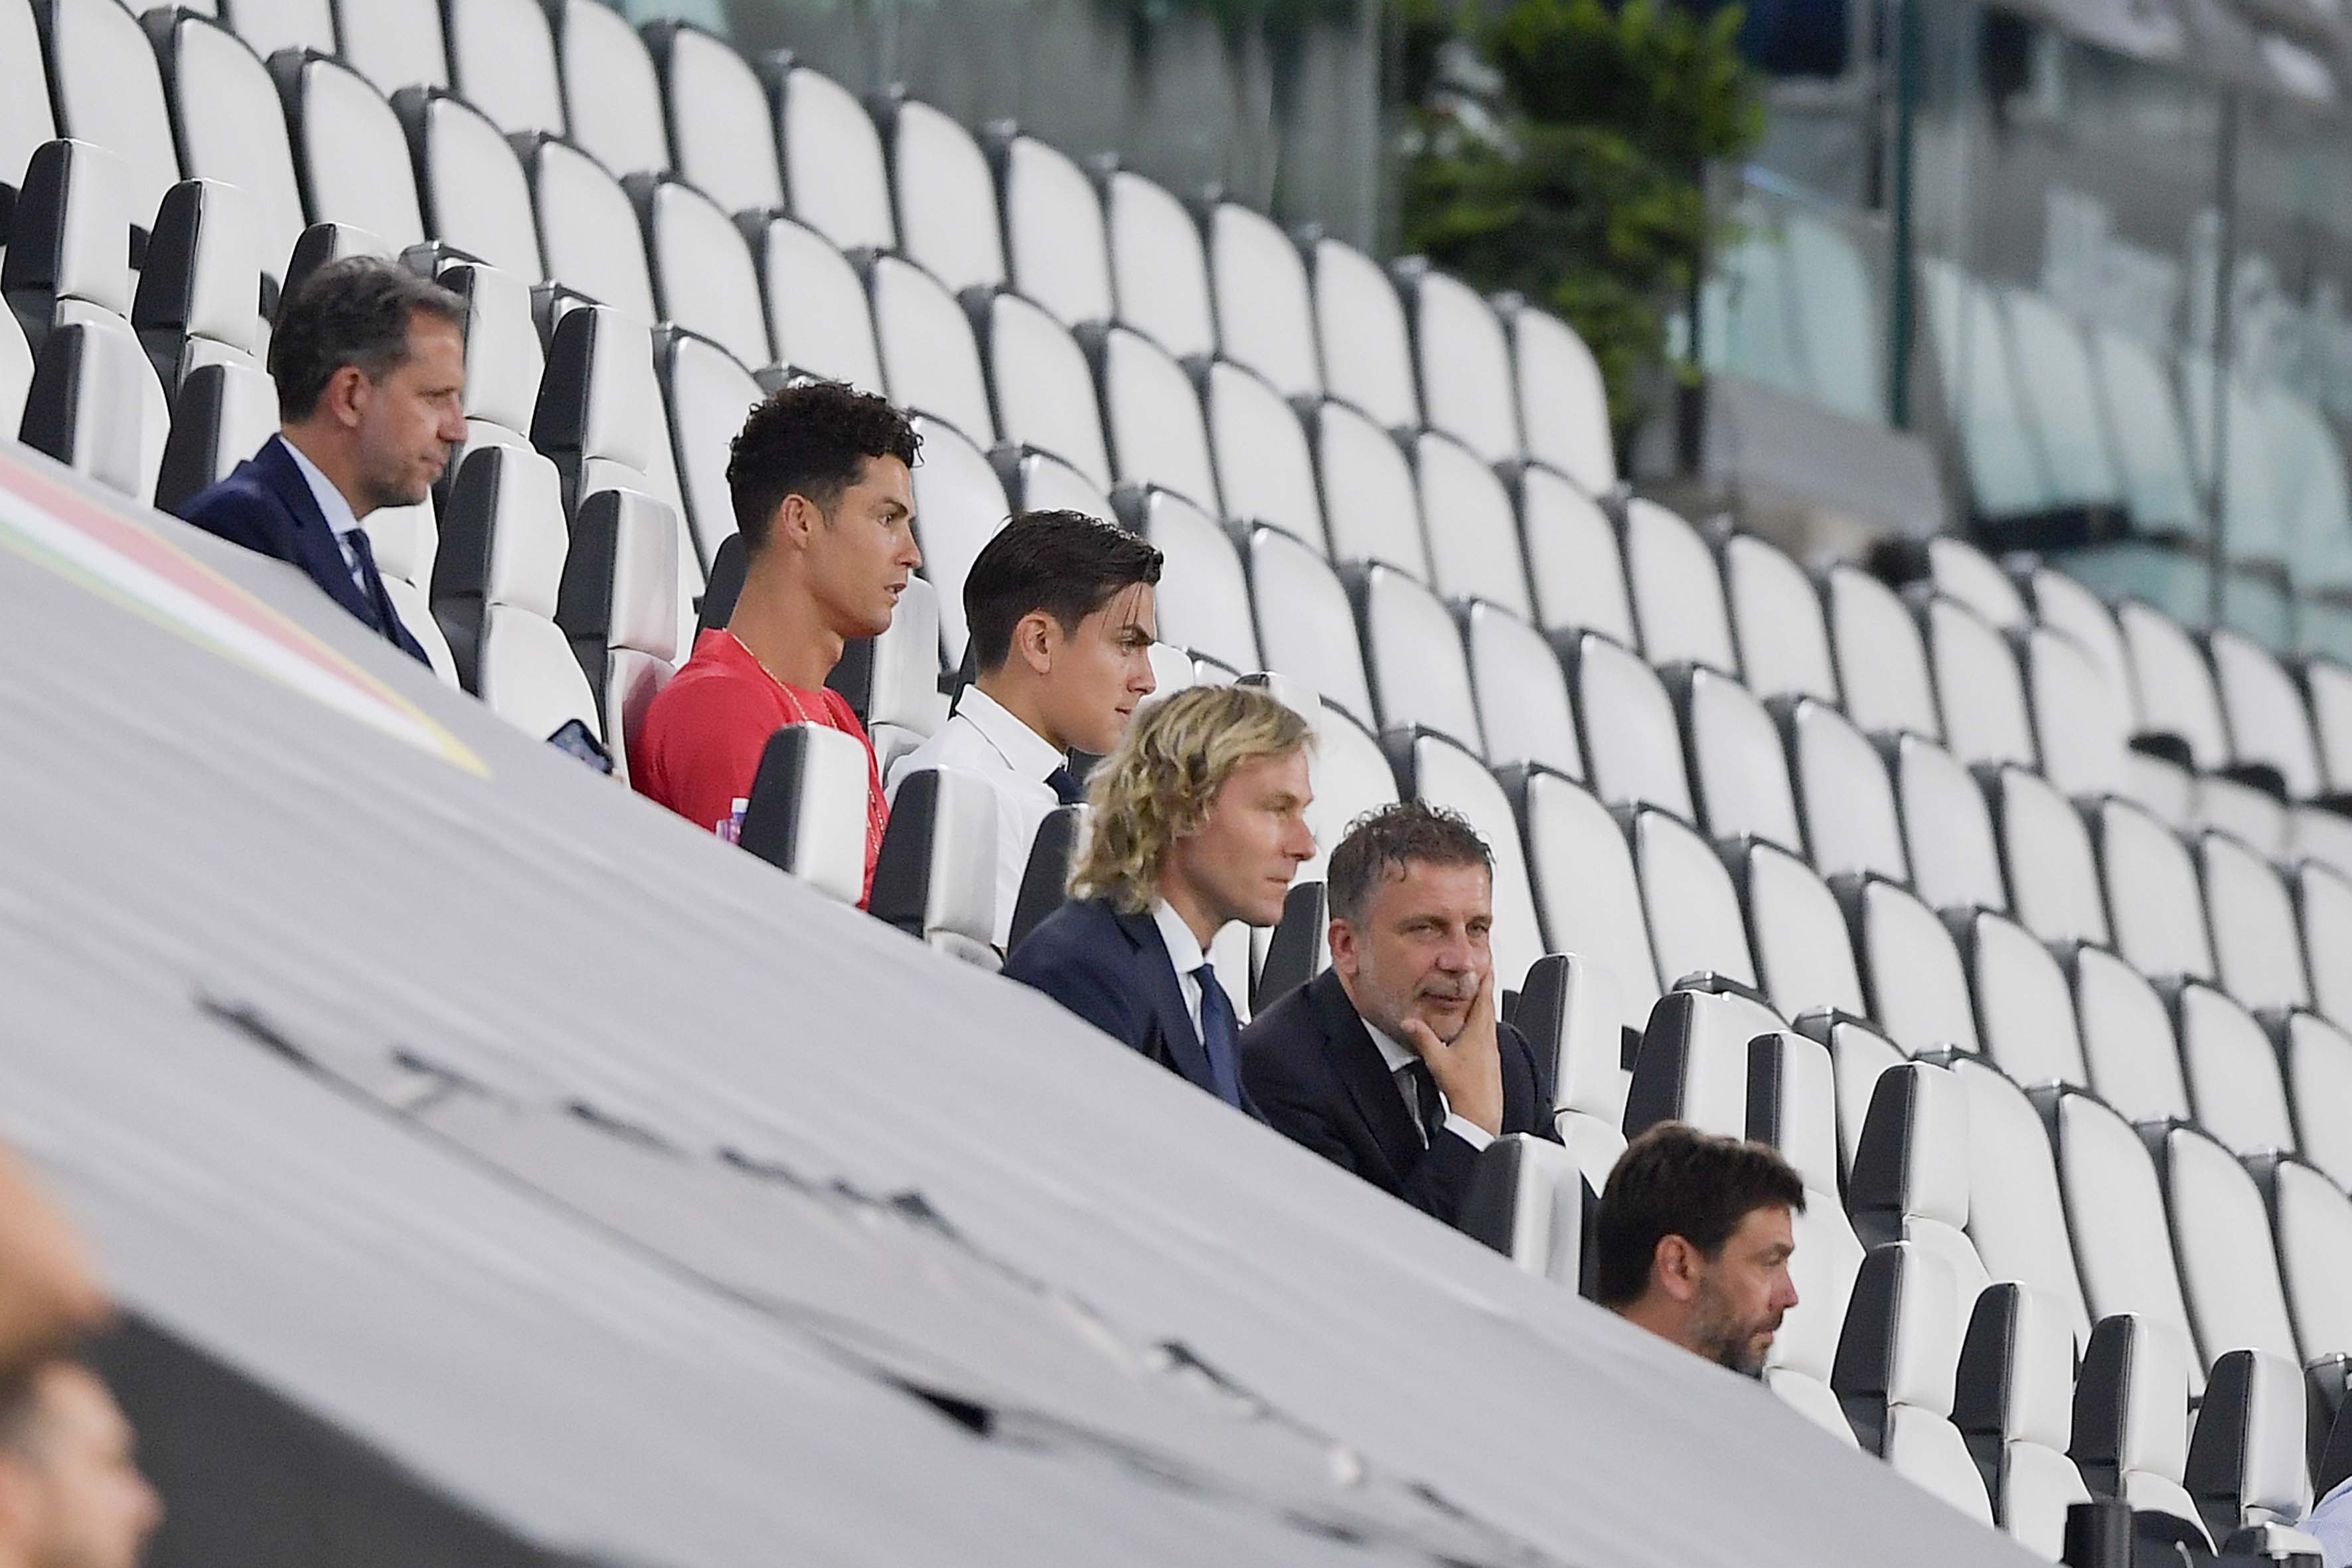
(315, 547)
(1184, 1047)
(1361, 1066)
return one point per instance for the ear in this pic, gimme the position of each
(796, 518)
(345, 392)
(1035, 639)
(1674, 1267)
(1342, 939)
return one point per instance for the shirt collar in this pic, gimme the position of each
(1395, 1053)
(1183, 948)
(1024, 750)
(331, 503)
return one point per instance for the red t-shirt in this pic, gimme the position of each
(703, 736)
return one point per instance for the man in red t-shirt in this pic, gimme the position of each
(824, 495)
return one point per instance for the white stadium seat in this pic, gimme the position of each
(1360, 324)
(1264, 309)
(959, 506)
(232, 128)
(608, 73)
(835, 176)
(1153, 413)
(1464, 359)
(702, 272)
(818, 314)
(475, 196)
(1371, 507)
(722, 137)
(1160, 268)
(351, 150)
(1057, 237)
(395, 42)
(943, 192)
(929, 358)
(502, 58)
(1265, 468)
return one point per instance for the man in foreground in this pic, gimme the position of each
(1059, 605)
(1391, 1063)
(50, 1294)
(823, 488)
(1199, 819)
(1693, 1242)
(370, 361)
(70, 1494)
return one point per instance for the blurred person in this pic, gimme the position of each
(822, 483)
(2330, 1523)
(1198, 818)
(70, 1493)
(370, 361)
(48, 1292)
(1693, 1242)
(1060, 609)
(1391, 1063)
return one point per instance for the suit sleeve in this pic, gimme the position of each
(239, 517)
(1071, 976)
(1291, 1107)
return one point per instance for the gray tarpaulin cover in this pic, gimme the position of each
(629, 1196)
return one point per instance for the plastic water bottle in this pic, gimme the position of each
(731, 829)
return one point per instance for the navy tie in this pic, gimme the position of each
(1217, 1031)
(1065, 786)
(379, 614)
(1428, 1102)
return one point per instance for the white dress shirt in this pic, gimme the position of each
(337, 511)
(1400, 1055)
(984, 737)
(2331, 1523)
(1183, 952)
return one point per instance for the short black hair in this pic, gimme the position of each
(811, 440)
(355, 311)
(1064, 562)
(1675, 1180)
(1395, 837)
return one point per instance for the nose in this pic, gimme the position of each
(911, 557)
(453, 425)
(1785, 1297)
(1300, 845)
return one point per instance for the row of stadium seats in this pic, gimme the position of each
(2058, 424)
(1975, 878)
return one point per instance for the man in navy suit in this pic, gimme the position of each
(1391, 1062)
(370, 361)
(1198, 819)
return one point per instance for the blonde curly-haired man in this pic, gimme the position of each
(1198, 818)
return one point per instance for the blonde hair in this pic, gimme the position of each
(1159, 785)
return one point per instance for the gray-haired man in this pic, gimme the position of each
(1393, 1062)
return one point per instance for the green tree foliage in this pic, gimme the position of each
(1574, 173)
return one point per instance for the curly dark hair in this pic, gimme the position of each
(355, 311)
(1064, 562)
(809, 439)
(1395, 837)
(1675, 1180)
